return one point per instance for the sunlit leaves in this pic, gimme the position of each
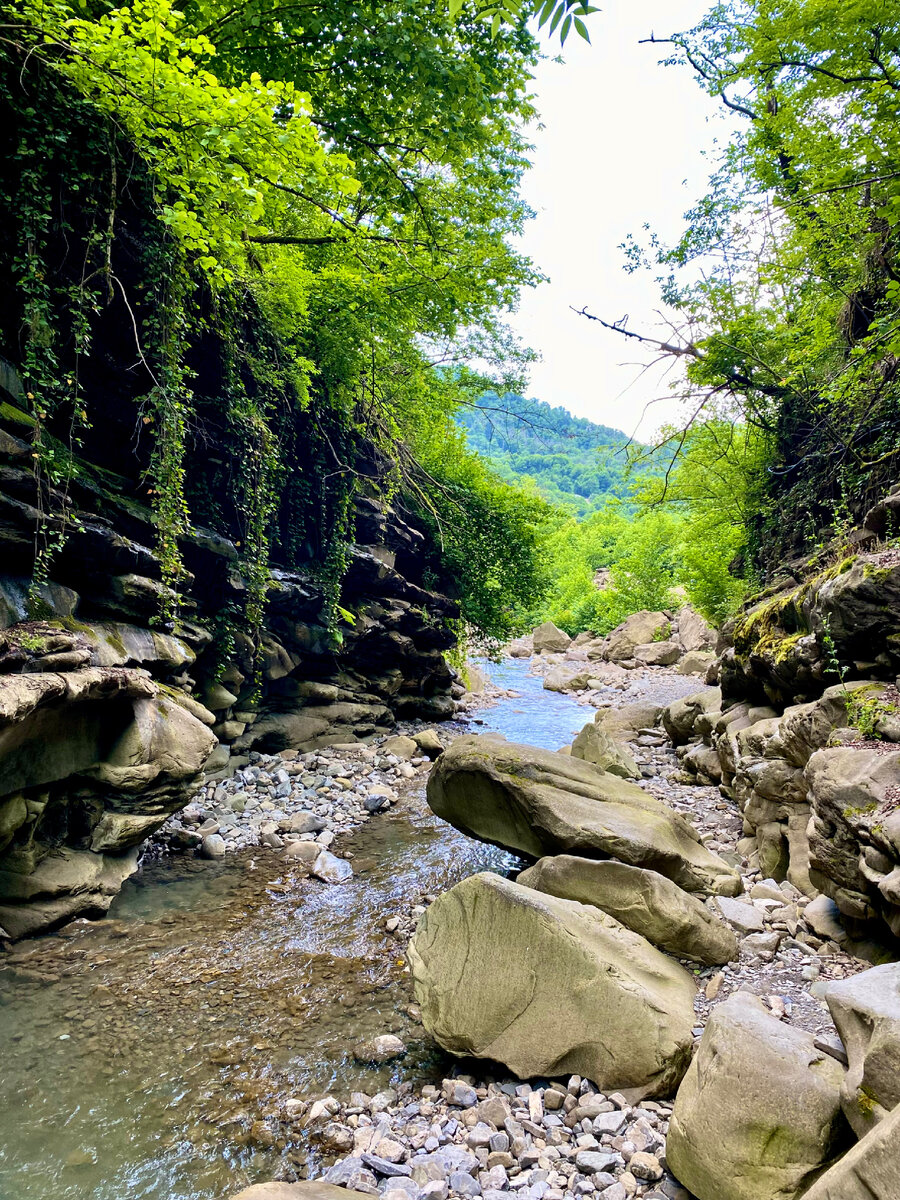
(225, 157)
(549, 14)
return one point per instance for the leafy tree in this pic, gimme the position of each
(794, 325)
(572, 461)
(343, 178)
(715, 489)
(611, 564)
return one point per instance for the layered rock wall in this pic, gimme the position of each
(804, 731)
(108, 712)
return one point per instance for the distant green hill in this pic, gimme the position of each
(572, 461)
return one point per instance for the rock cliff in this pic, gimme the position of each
(804, 729)
(109, 711)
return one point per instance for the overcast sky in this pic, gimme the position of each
(622, 145)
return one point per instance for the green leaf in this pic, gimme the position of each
(558, 16)
(564, 32)
(545, 12)
(582, 29)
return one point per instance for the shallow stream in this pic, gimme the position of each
(145, 1057)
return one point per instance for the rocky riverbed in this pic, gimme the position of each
(228, 1034)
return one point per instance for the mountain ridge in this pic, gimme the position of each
(572, 461)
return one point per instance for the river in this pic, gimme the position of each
(146, 1056)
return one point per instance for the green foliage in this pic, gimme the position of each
(564, 14)
(333, 199)
(684, 529)
(865, 712)
(610, 565)
(226, 156)
(786, 276)
(714, 484)
(486, 535)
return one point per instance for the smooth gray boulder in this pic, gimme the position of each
(537, 802)
(548, 639)
(758, 1114)
(307, 1189)
(695, 662)
(643, 901)
(658, 654)
(595, 745)
(636, 630)
(866, 1012)
(550, 987)
(869, 1171)
(694, 633)
(400, 745)
(629, 718)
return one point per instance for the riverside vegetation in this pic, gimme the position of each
(254, 275)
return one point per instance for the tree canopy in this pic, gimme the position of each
(786, 277)
(346, 174)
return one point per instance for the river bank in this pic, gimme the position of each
(177, 1048)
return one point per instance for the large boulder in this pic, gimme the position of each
(549, 987)
(629, 718)
(643, 901)
(869, 1171)
(866, 1012)
(636, 630)
(596, 746)
(657, 654)
(758, 1114)
(693, 631)
(547, 639)
(695, 662)
(536, 802)
(564, 679)
(306, 1189)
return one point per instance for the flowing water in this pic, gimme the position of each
(147, 1056)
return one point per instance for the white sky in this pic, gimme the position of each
(622, 144)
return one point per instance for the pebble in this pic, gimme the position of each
(383, 1048)
(213, 846)
(272, 801)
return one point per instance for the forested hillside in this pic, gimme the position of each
(570, 460)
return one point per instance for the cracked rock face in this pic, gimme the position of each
(91, 762)
(825, 816)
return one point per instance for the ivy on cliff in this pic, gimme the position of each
(350, 178)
